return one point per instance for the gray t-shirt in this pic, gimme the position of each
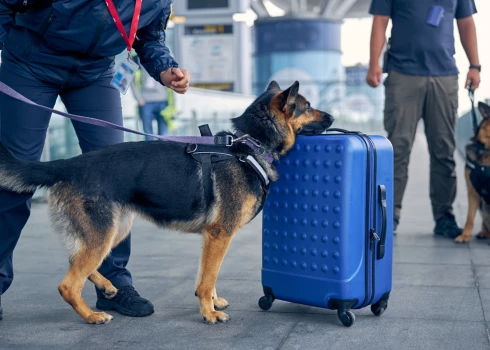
(416, 47)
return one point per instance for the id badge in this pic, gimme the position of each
(125, 72)
(435, 15)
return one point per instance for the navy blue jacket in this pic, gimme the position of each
(73, 42)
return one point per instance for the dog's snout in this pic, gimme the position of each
(327, 119)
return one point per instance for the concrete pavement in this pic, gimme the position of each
(440, 297)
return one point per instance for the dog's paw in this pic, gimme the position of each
(463, 239)
(215, 317)
(110, 293)
(99, 318)
(220, 303)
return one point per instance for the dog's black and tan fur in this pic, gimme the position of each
(478, 150)
(94, 197)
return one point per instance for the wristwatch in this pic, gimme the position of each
(477, 67)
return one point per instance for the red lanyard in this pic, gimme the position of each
(134, 23)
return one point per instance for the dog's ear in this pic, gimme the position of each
(273, 86)
(289, 95)
(484, 110)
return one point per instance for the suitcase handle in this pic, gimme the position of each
(343, 131)
(382, 200)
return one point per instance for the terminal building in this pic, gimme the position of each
(241, 45)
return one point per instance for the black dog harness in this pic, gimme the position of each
(479, 174)
(208, 154)
(480, 178)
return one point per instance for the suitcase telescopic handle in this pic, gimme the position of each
(382, 200)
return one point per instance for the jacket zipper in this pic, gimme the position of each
(46, 24)
(42, 31)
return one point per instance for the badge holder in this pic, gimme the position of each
(435, 15)
(125, 73)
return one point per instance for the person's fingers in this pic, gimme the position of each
(180, 90)
(178, 72)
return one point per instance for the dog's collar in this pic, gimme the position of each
(254, 144)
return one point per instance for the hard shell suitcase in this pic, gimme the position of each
(328, 225)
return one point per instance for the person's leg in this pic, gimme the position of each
(403, 108)
(23, 131)
(440, 118)
(86, 101)
(146, 116)
(162, 124)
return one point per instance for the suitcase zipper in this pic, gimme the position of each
(371, 235)
(373, 222)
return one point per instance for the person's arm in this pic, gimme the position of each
(8, 8)
(378, 39)
(381, 11)
(465, 9)
(136, 93)
(467, 33)
(155, 56)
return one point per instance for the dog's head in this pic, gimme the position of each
(277, 116)
(483, 135)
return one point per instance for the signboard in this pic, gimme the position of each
(209, 56)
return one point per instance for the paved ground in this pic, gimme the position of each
(440, 298)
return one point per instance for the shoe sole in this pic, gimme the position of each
(446, 236)
(106, 305)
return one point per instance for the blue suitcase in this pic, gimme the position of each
(328, 225)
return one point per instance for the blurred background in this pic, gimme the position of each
(234, 48)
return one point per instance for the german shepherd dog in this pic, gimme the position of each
(477, 175)
(95, 197)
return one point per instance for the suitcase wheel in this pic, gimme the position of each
(379, 307)
(265, 302)
(346, 317)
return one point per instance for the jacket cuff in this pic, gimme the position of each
(162, 68)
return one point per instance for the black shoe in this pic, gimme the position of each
(395, 226)
(127, 302)
(446, 226)
(1, 308)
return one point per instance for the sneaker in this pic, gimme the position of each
(1, 308)
(127, 302)
(446, 226)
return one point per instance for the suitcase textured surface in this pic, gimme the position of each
(327, 225)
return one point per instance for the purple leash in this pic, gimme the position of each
(226, 140)
(205, 140)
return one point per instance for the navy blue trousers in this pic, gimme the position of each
(23, 131)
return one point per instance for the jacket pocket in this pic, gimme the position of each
(40, 34)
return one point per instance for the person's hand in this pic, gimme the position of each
(473, 77)
(176, 79)
(373, 77)
(141, 103)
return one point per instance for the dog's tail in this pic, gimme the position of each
(23, 176)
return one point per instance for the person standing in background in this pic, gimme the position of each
(422, 82)
(153, 99)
